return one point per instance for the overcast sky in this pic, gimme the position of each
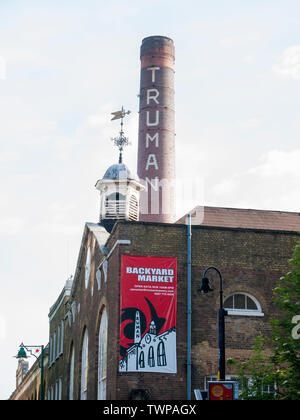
(65, 66)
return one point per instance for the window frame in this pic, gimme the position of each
(244, 312)
(102, 356)
(71, 373)
(84, 366)
(88, 262)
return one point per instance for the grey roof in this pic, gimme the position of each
(245, 218)
(119, 171)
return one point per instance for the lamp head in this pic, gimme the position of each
(21, 353)
(205, 286)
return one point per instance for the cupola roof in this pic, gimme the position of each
(119, 171)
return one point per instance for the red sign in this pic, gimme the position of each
(221, 391)
(148, 314)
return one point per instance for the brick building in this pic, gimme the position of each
(251, 259)
(250, 247)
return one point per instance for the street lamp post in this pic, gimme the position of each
(38, 353)
(205, 288)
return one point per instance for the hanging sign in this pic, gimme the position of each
(148, 314)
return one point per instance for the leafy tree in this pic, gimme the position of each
(285, 330)
(281, 366)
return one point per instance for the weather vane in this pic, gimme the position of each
(120, 141)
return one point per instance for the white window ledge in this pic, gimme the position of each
(244, 312)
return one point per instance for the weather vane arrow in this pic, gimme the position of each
(119, 114)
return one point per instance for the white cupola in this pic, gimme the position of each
(119, 188)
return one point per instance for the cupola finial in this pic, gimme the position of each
(120, 141)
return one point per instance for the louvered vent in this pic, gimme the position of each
(133, 208)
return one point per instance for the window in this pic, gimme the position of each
(161, 355)
(58, 342)
(102, 357)
(242, 304)
(59, 389)
(98, 277)
(62, 337)
(151, 361)
(50, 350)
(54, 347)
(73, 308)
(71, 384)
(142, 360)
(56, 391)
(87, 267)
(116, 196)
(115, 206)
(84, 366)
(105, 267)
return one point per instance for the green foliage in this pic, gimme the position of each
(286, 345)
(281, 367)
(256, 375)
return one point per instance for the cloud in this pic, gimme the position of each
(238, 41)
(2, 68)
(226, 186)
(249, 123)
(288, 66)
(274, 182)
(277, 163)
(248, 59)
(11, 226)
(101, 117)
(3, 329)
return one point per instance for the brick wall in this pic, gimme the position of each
(251, 261)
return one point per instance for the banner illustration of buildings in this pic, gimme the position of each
(148, 314)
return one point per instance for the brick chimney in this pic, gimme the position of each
(156, 147)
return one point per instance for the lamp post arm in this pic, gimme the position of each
(40, 359)
(211, 267)
(28, 348)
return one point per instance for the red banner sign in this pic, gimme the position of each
(148, 314)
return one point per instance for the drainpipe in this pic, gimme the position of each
(189, 307)
(42, 394)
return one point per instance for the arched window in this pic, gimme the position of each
(242, 304)
(54, 347)
(151, 360)
(84, 366)
(161, 355)
(98, 277)
(102, 357)
(51, 350)
(142, 360)
(71, 374)
(115, 205)
(58, 342)
(62, 336)
(59, 389)
(87, 267)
